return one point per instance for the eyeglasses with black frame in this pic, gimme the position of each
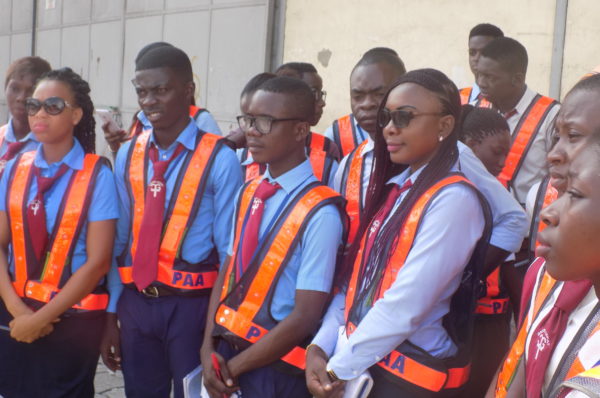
(400, 117)
(52, 106)
(262, 124)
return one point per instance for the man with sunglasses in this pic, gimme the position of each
(271, 292)
(176, 187)
(16, 136)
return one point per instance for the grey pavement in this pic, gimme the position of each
(108, 384)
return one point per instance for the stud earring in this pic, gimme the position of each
(441, 138)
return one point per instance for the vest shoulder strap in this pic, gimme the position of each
(523, 137)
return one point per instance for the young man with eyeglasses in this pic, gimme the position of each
(176, 185)
(321, 151)
(272, 290)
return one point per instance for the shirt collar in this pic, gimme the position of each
(248, 160)
(73, 159)
(369, 146)
(10, 134)
(187, 137)
(523, 103)
(475, 91)
(401, 178)
(292, 179)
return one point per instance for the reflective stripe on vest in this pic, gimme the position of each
(397, 363)
(345, 134)
(317, 155)
(353, 190)
(510, 365)
(528, 128)
(465, 95)
(137, 126)
(491, 304)
(65, 237)
(252, 171)
(191, 189)
(241, 322)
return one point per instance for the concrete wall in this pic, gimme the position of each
(333, 34)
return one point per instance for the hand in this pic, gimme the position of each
(27, 328)
(113, 138)
(110, 347)
(238, 137)
(317, 378)
(215, 387)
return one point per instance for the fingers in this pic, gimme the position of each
(225, 373)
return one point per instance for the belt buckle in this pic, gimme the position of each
(151, 291)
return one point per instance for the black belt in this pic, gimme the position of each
(153, 291)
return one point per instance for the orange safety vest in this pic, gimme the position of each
(137, 127)
(524, 135)
(495, 301)
(509, 368)
(545, 196)
(352, 188)
(243, 315)
(345, 135)
(318, 154)
(422, 371)
(465, 95)
(173, 272)
(57, 270)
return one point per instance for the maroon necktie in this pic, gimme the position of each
(250, 239)
(145, 262)
(547, 334)
(36, 213)
(12, 149)
(375, 226)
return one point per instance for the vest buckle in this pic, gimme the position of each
(151, 291)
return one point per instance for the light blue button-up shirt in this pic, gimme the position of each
(31, 143)
(103, 206)
(212, 223)
(509, 220)
(204, 121)
(312, 265)
(414, 306)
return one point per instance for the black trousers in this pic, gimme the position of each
(62, 364)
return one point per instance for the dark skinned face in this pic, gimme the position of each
(368, 85)
(164, 97)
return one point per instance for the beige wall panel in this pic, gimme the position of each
(582, 46)
(334, 34)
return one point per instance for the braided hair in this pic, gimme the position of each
(84, 131)
(383, 169)
(479, 123)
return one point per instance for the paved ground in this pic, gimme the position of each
(108, 385)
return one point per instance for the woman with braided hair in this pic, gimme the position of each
(56, 236)
(407, 306)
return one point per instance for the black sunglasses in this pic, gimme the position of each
(52, 106)
(400, 117)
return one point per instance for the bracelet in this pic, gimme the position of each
(332, 375)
